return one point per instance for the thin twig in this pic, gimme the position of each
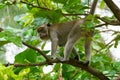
(110, 31)
(92, 11)
(38, 3)
(25, 2)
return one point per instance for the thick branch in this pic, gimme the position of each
(71, 62)
(92, 11)
(88, 69)
(113, 8)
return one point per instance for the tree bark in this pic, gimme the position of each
(114, 8)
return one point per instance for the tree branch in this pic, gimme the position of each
(41, 52)
(92, 11)
(113, 8)
(114, 24)
(106, 22)
(111, 22)
(76, 63)
(25, 2)
(38, 3)
(72, 14)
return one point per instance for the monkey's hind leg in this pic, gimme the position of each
(68, 50)
(69, 47)
(77, 57)
(88, 50)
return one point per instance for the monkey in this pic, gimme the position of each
(66, 34)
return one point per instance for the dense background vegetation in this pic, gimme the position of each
(19, 20)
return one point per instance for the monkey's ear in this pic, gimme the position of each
(48, 24)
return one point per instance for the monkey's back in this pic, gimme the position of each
(62, 31)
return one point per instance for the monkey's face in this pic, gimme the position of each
(43, 33)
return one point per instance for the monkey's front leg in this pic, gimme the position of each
(54, 47)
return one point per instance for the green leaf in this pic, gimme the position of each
(60, 1)
(89, 24)
(27, 56)
(43, 45)
(116, 65)
(10, 37)
(72, 6)
(7, 73)
(2, 5)
(85, 76)
(28, 18)
(108, 19)
(90, 17)
(57, 67)
(70, 70)
(102, 4)
(52, 15)
(76, 9)
(40, 21)
(24, 72)
(101, 44)
(117, 38)
(77, 76)
(3, 43)
(96, 21)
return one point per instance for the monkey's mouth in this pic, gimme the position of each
(44, 37)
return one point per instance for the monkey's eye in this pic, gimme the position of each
(39, 30)
(48, 24)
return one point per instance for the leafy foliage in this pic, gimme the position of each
(6, 73)
(27, 15)
(8, 36)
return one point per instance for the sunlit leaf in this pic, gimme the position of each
(24, 72)
(2, 5)
(117, 38)
(11, 37)
(57, 67)
(102, 4)
(3, 43)
(27, 56)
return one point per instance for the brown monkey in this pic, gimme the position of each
(66, 34)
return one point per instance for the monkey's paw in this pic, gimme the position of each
(86, 63)
(64, 59)
(60, 58)
(77, 58)
(52, 57)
